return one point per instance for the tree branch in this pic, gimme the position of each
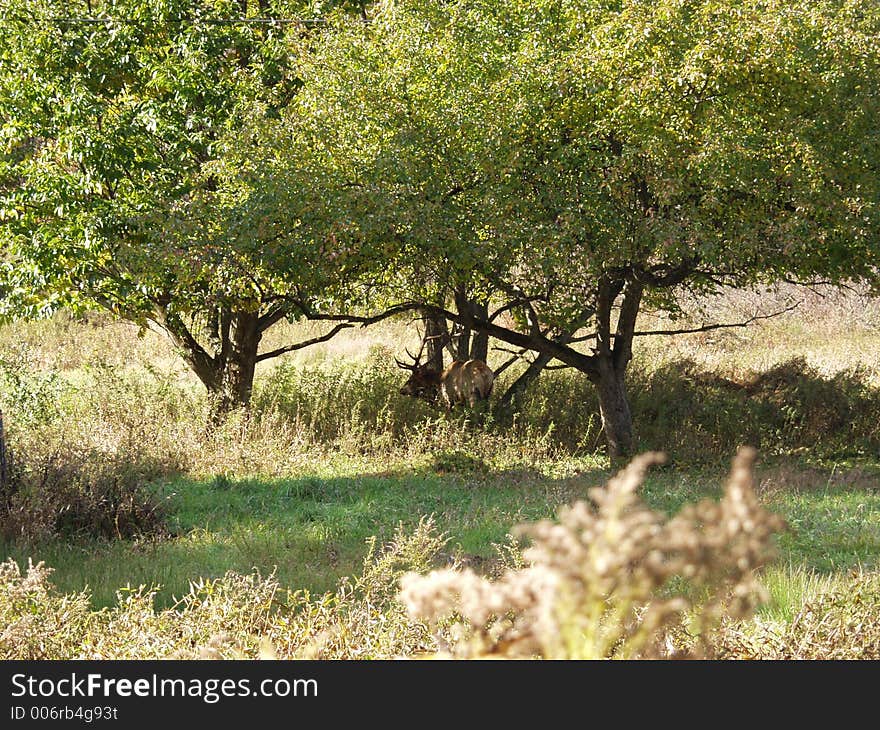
(663, 276)
(272, 316)
(195, 355)
(709, 327)
(519, 299)
(516, 355)
(819, 282)
(513, 304)
(313, 316)
(536, 342)
(584, 338)
(345, 321)
(626, 323)
(305, 343)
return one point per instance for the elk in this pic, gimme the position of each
(462, 382)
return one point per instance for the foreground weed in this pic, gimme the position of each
(840, 623)
(606, 580)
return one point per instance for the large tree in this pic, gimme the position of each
(135, 138)
(575, 161)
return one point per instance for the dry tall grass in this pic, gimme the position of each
(606, 581)
(97, 386)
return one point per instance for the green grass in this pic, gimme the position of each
(831, 531)
(312, 529)
(790, 586)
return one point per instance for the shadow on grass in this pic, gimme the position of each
(700, 417)
(311, 531)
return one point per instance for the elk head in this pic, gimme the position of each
(424, 381)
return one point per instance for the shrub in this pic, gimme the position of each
(613, 578)
(695, 415)
(73, 493)
(32, 395)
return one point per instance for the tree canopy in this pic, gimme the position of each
(572, 161)
(133, 136)
(534, 172)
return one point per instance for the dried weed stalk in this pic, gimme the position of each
(613, 578)
(231, 617)
(35, 621)
(839, 624)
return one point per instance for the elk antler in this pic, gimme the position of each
(405, 366)
(415, 358)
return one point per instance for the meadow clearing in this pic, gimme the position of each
(296, 521)
(204, 203)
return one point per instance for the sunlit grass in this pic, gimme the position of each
(312, 530)
(790, 586)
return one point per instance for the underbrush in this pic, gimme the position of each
(839, 623)
(693, 415)
(73, 493)
(299, 412)
(236, 616)
(609, 578)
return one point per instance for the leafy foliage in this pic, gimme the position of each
(493, 144)
(569, 161)
(132, 152)
(572, 161)
(115, 139)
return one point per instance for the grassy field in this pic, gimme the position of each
(312, 529)
(334, 456)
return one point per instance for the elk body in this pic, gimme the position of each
(462, 382)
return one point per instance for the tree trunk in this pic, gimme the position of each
(617, 423)
(228, 372)
(472, 342)
(225, 355)
(436, 335)
(233, 380)
(463, 344)
(480, 341)
(612, 359)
